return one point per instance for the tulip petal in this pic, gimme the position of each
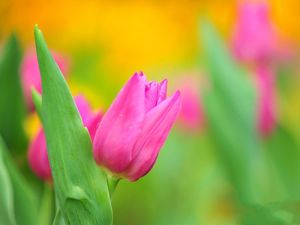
(162, 93)
(266, 109)
(157, 125)
(84, 108)
(38, 157)
(93, 123)
(151, 93)
(121, 125)
(255, 37)
(155, 93)
(31, 74)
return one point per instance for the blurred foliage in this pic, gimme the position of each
(21, 200)
(227, 174)
(6, 204)
(12, 108)
(231, 111)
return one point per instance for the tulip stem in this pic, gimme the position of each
(46, 205)
(112, 183)
(58, 219)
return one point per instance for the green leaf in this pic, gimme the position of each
(80, 185)
(25, 202)
(12, 108)
(264, 215)
(58, 220)
(37, 101)
(284, 151)
(7, 215)
(230, 106)
(46, 209)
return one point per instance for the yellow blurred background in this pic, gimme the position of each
(107, 41)
(129, 36)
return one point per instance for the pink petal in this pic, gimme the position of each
(31, 74)
(266, 109)
(255, 37)
(84, 108)
(162, 92)
(30, 77)
(156, 127)
(155, 93)
(191, 115)
(121, 125)
(151, 93)
(38, 157)
(93, 123)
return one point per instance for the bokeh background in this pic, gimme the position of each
(105, 42)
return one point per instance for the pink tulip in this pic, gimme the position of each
(135, 127)
(38, 157)
(31, 74)
(191, 116)
(266, 108)
(255, 38)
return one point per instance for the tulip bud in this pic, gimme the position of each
(38, 157)
(266, 108)
(135, 127)
(254, 38)
(31, 75)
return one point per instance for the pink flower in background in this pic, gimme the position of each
(255, 38)
(266, 100)
(31, 75)
(37, 154)
(38, 157)
(191, 117)
(135, 127)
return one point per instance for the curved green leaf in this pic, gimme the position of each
(80, 185)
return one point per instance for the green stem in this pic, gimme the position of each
(112, 183)
(58, 219)
(46, 206)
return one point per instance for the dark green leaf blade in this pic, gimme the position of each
(12, 108)
(80, 185)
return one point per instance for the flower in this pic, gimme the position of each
(30, 74)
(255, 38)
(37, 153)
(266, 108)
(135, 127)
(191, 116)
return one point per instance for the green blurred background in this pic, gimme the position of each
(196, 179)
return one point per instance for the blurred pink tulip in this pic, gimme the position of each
(266, 107)
(37, 154)
(191, 116)
(31, 75)
(255, 38)
(135, 127)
